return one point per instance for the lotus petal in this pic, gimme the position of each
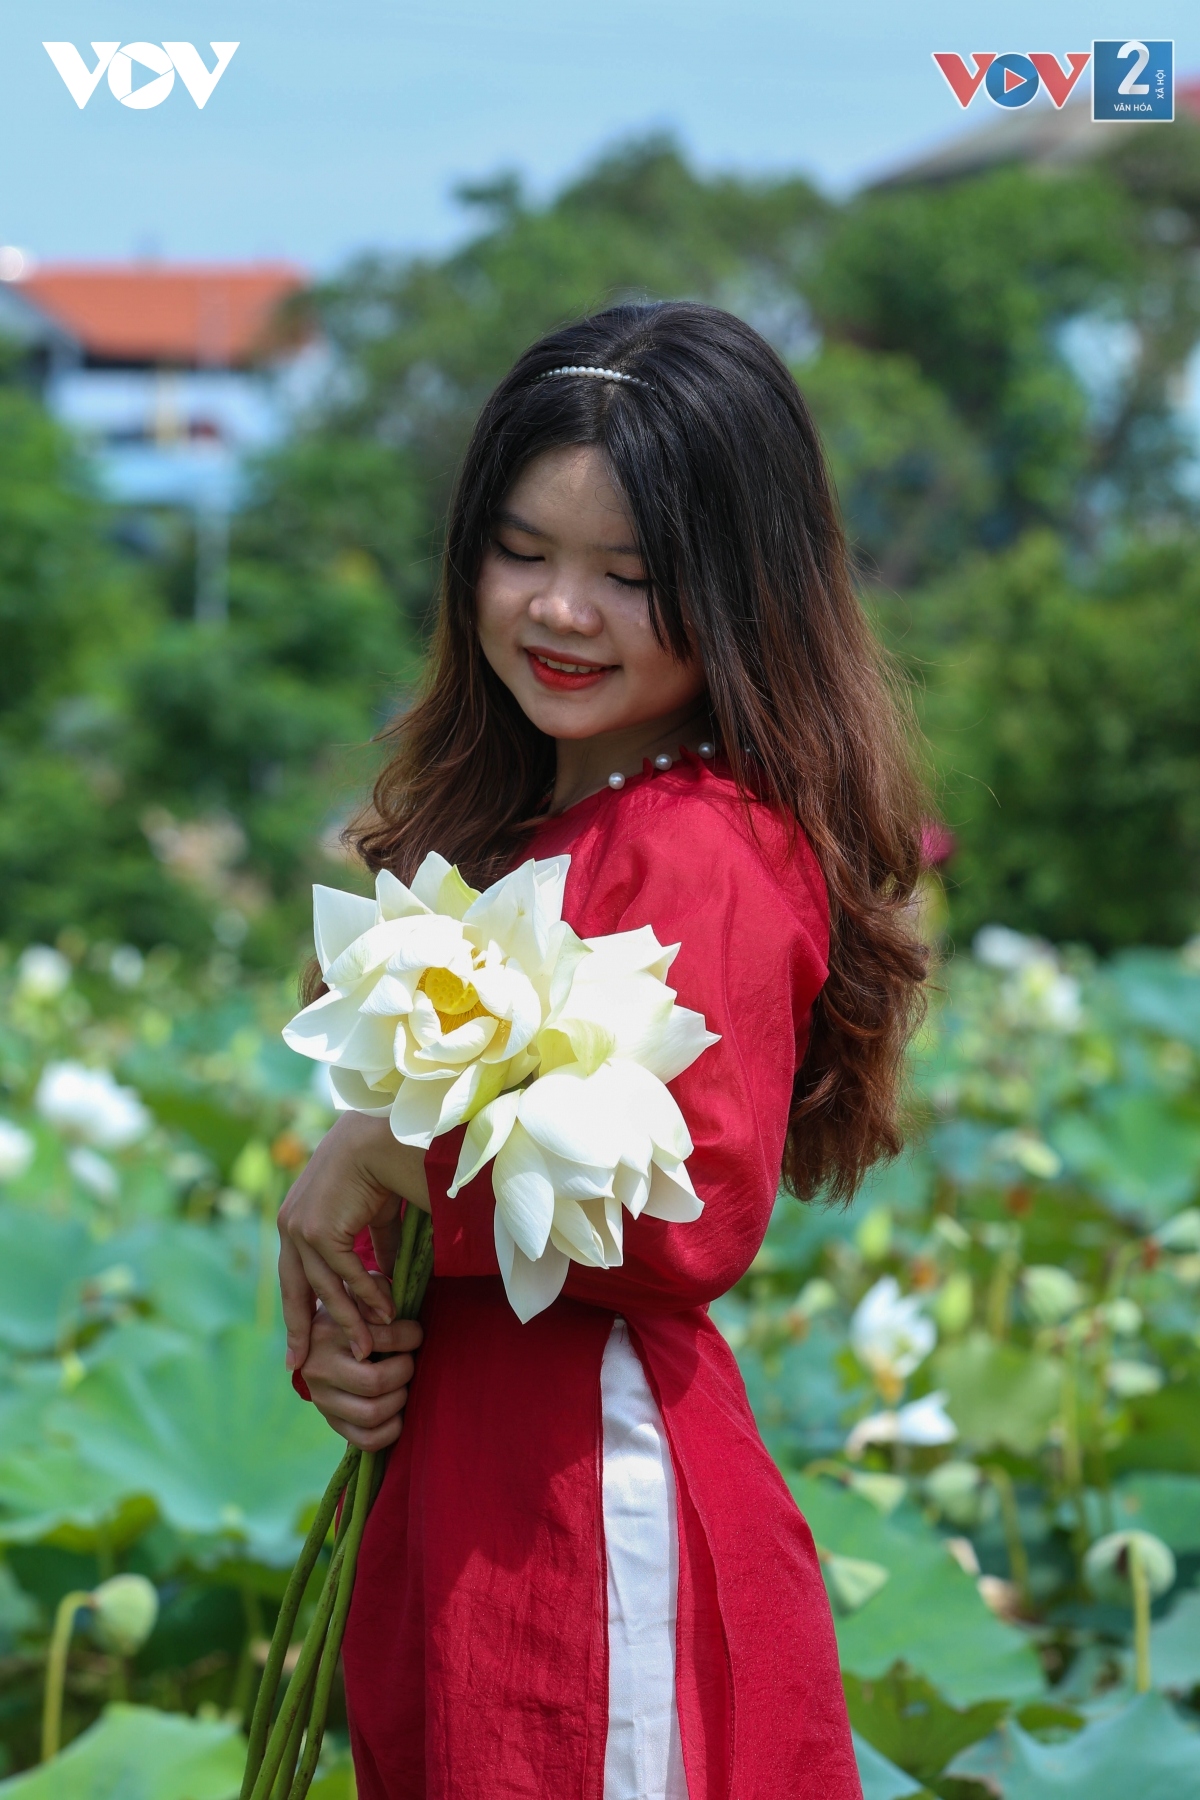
(394, 899)
(531, 1286)
(351, 1093)
(683, 1036)
(672, 1196)
(573, 1232)
(509, 994)
(632, 953)
(323, 1029)
(338, 918)
(417, 1111)
(389, 997)
(524, 1192)
(568, 1113)
(457, 1047)
(485, 1136)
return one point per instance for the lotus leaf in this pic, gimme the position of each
(929, 1613)
(214, 1436)
(49, 1491)
(40, 1262)
(1143, 1749)
(881, 1780)
(1140, 1153)
(999, 1393)
(199, 1279)
(1175, 1646)
(1151, 1500)
(135, 1753)
(908, 1720)
(1158, 994)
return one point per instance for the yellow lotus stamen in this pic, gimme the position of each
(454, 1001)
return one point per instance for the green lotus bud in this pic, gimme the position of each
(124, 1612)
(1127, 1378)
(1050, 1293)
(852, 1581)
(961, 1493)
(954, 1303)
(816, 1296)
(883, 1491)
(874, 1234)
(1122, 1316)
(1106, 1564)
(1182, 1232)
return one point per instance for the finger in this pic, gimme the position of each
(385, 1239)
(357, 1409)
(371, 1379)
(335, 1263)
(400, 1335)
(367, 1437)
(298, 1303)
(331, 1291)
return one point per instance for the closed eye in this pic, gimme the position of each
(513, 555)
(629, 581)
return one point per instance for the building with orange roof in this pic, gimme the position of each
(172, 376)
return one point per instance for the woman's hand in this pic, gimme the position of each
(357, 1177)
(362, 1401)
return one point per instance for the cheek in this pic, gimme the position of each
(651, 667)
(499, 606)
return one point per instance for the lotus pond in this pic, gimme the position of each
(982, 1382)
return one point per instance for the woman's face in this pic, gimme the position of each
(561, 605)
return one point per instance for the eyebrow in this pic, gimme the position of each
(516, 523)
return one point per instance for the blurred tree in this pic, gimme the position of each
(912, 479)
(1065, 717)
(972, 281)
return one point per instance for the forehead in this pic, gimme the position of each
(569, 492)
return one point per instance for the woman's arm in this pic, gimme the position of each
(356, 1178)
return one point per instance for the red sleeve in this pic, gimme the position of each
(747, 906)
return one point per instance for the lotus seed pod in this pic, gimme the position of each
(1049, 1293)
(1106, 1564)
(1122, 1316)
(961, 1493)
(125, 1610)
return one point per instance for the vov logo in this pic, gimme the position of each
(1013, 79)
(164, 62)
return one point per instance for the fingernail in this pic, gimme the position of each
(357, 1354)
(289, 1361)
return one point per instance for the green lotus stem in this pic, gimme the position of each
(272, 1752)
(363, 1500)
(294, 1698)
(1140, 1583)
(289, 1608)
(56, 1670)
(1018, 1560)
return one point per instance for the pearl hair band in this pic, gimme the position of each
(596, 374)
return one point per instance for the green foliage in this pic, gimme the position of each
(1066, 717)
(135, 1753)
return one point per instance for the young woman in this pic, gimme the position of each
(584, 1576)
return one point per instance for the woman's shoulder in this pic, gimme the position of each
(689, 833)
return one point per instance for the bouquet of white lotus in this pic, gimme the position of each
(448, 1007)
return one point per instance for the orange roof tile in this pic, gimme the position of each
(208, 315)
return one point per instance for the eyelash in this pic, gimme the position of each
(508, 555)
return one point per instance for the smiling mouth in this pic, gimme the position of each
(564, 672)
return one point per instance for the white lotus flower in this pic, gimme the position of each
(597, 1132)
(921, 1423)
(890, 1334)
(446, 1005)
(436, 992)
(42, 972)
(16, 1150)
(88, 1104)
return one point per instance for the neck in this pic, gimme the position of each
(585, 764)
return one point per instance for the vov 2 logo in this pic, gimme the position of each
(164, 61)
(1132, 79)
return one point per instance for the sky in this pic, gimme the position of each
(341, 125)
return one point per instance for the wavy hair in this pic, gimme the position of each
(734, 516)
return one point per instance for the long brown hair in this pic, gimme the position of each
(723, 473)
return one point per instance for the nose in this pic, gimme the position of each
(562, 606)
